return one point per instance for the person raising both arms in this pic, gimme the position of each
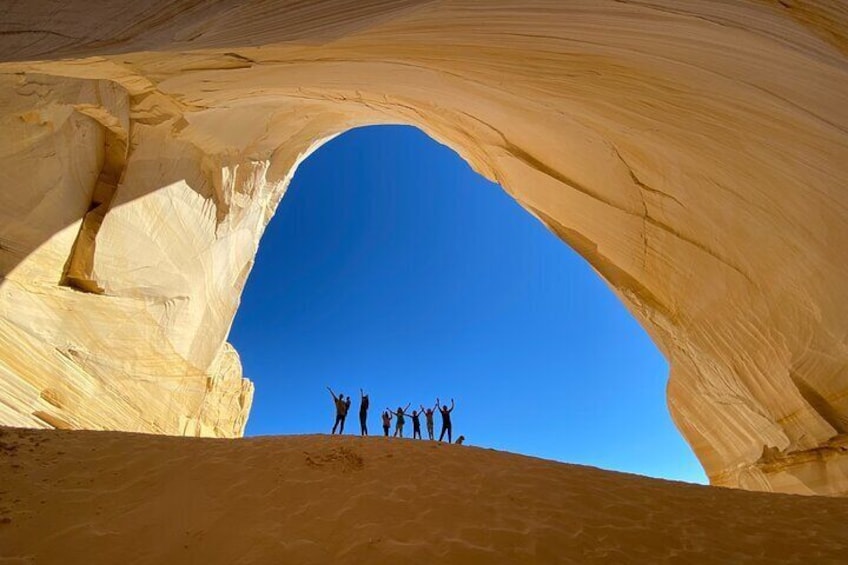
(428, 415)
(387, 422)
(446, 419)
(416, 424)
(364, 402)
(399, 414)
(341, 410)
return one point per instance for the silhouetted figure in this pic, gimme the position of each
(341, 410)
(399, 421)
(446, 419)
(416, 424)
(363, 412)
(428, 415)
(387, 422)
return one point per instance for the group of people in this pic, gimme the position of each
(342, 404)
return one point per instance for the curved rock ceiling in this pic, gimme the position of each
(694, 152)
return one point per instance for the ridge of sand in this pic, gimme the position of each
(111, 497)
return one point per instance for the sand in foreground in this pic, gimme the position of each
(109, 497)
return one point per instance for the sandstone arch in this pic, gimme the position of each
(694, 152)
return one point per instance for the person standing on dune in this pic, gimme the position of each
(364, 402)
(387, 422)
(347, 409)
(399, 421)
(446, 419)
(416, 424)
(428, 415)
(341, 411)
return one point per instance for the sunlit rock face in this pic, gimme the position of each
(695, 153)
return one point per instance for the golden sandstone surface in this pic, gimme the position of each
(694, 152)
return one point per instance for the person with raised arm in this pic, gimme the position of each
(446, 419)
(341, 411)
(416, 424)
(347, 407)
(387, 422)
(399, 421)
(428, 415)
(364, 402)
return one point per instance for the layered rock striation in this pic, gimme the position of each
(695, 153)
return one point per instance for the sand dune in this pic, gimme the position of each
(110, 497)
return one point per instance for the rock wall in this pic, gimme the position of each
(693, 152)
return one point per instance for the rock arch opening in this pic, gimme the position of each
(390, 265)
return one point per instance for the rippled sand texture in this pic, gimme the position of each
(107, 497)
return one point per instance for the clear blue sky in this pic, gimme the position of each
(392, 266)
